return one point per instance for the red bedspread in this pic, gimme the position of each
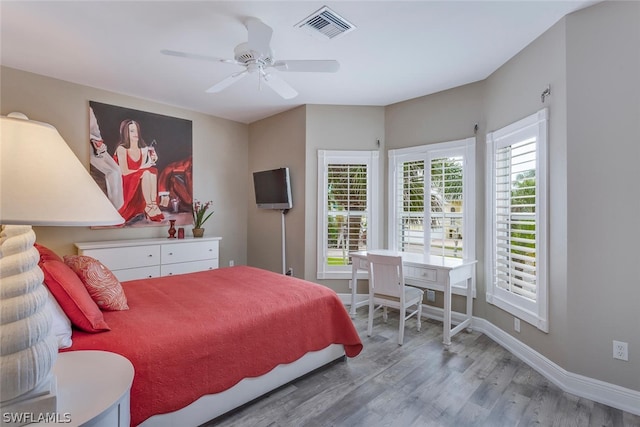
(201, 333)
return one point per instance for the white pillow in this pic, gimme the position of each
(61, 325)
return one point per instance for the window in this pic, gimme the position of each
(347, 200)
(517, 219)
(442, 174)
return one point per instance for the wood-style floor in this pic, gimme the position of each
(476, 383)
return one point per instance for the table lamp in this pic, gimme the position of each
(42, 182)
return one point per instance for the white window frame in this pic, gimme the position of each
(466, 148)
(533, 312)
(333, 157)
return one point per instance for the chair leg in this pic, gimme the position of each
(419, 319)
(385, 315)
(370, 320)
(401, 332)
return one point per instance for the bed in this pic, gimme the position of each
(205, 343)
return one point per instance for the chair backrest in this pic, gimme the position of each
(385, 275)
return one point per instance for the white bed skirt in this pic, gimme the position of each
(214, 405)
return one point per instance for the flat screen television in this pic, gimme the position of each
(273, 189)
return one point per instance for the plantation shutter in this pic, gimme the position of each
(515, 216)
(410, 204)
(347, 206)
(446, 206)
(432, 199)
(517, 219)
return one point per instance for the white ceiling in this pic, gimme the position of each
(400, 49)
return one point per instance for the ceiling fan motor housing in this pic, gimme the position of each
(247, 57)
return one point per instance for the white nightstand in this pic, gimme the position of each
(93, 388)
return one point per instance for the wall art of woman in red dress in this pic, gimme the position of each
(137, 161)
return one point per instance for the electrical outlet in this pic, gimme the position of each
(516, 324)
(231, 263)
(620, 350)
(431, 295)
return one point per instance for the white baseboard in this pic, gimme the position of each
(599, 391)
(361, 299)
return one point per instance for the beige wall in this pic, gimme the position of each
(512, 93)
(591, 60)
(338, 128)
(278, 141)
(292, 139)
(603, 150)
(219, 157)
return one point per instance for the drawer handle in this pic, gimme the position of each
(170, 253)
(210, 250)
(150, 255)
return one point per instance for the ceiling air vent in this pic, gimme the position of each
(325, 24)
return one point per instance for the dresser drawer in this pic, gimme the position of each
(137, 273)
(191, 251)
(141, 259)
(188, 267)
(363, 264)
(421, 273)
(126, 257)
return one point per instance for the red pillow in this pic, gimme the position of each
(47, 254)
(103, 286)
(73, 297)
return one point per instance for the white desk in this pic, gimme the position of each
(431, 272)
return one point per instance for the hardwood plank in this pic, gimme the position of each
(475, 383)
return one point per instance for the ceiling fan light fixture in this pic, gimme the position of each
(325, 24)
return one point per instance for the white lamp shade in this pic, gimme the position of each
(43, 182)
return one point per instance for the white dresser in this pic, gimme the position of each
(140, 259)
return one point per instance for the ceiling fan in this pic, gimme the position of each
(256, 56)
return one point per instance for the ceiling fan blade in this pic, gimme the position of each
(195, 56)
(227, 82)
(310, 65)
(279, 86)
(259, 36)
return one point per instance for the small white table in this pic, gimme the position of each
(93, 389)
(430, 272)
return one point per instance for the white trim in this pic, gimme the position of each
(465, 147)
(590, 388)
(361, 299)
(458, 143)
(534, 312)
(326, 157)
(599, 391)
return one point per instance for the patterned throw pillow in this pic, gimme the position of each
(103, 286)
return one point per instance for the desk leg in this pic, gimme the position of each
(446, 330)
(469, 304)
(354, 288)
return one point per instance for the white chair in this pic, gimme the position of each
(387, 289)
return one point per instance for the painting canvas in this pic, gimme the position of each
(143, 163)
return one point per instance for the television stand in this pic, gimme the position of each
(284, 252)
